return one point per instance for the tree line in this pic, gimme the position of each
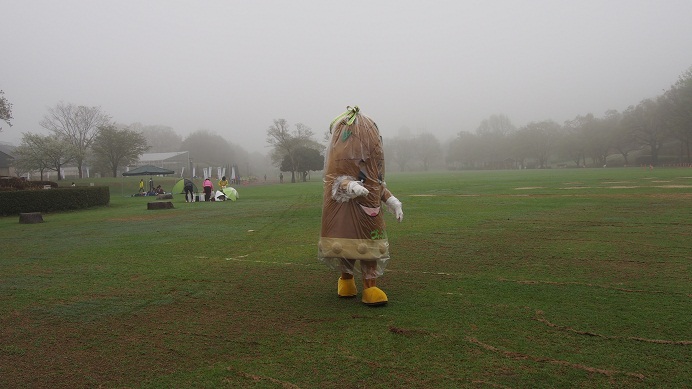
(78, 134)
(655, 131)
(87, 136)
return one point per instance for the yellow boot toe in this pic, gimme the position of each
(374, 296)
(347, 288)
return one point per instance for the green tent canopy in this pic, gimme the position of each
(148, 170)
(180, 185)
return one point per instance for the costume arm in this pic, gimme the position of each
(345, 188)
(393, 204)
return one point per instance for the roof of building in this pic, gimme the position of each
(7, 149)
(151, 157)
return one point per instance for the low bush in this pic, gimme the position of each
(18, 183)
(52, 200)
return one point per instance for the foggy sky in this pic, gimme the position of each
(231, 67)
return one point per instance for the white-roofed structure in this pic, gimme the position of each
(178, 161)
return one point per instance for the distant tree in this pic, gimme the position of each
(286, 144)
(427, 149)
(539, 139)
(399, 151)
(494, 145)
(496, 125)
(79, 125)
(648, 126)
(518, 152)
(39, 152)
(5, 110)
(207, 148)
(621, 139)
(574, 144)
(113, 148)
(305, 159)
(598, 137)
(258, 164)
(678, 106)
(464, 151)
(162, 139)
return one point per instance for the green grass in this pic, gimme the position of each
(553, 278)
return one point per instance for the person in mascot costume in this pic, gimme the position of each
(353, 227)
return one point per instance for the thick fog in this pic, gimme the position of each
(231, 67)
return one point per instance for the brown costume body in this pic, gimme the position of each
(353, 228)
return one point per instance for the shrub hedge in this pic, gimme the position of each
(18, 183)
(53, 200)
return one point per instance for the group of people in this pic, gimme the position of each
(151, 192)
(207, 187)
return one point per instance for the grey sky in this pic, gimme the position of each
(231, 67)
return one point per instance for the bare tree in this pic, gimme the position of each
(79, 125)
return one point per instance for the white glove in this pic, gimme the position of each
(356, 189)
(394, 206)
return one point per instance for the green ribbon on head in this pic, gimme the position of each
(350, 113)
(353, 112)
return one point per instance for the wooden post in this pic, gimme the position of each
(160, 205)
(30, 218)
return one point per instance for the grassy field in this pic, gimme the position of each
(541, 278)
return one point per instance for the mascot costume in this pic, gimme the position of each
(353, 227)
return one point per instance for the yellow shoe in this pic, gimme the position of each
(347, 288)
(374, 296)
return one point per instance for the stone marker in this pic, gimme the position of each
(160, 205)
(30, 217)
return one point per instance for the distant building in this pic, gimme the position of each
(7, 160)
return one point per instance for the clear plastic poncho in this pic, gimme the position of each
(353, 227)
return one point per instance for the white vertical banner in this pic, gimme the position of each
(193, 171)
(223, 172)
(209, 172)
(233, 173)
(218, 172)
(87, 172)
(182, 170)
